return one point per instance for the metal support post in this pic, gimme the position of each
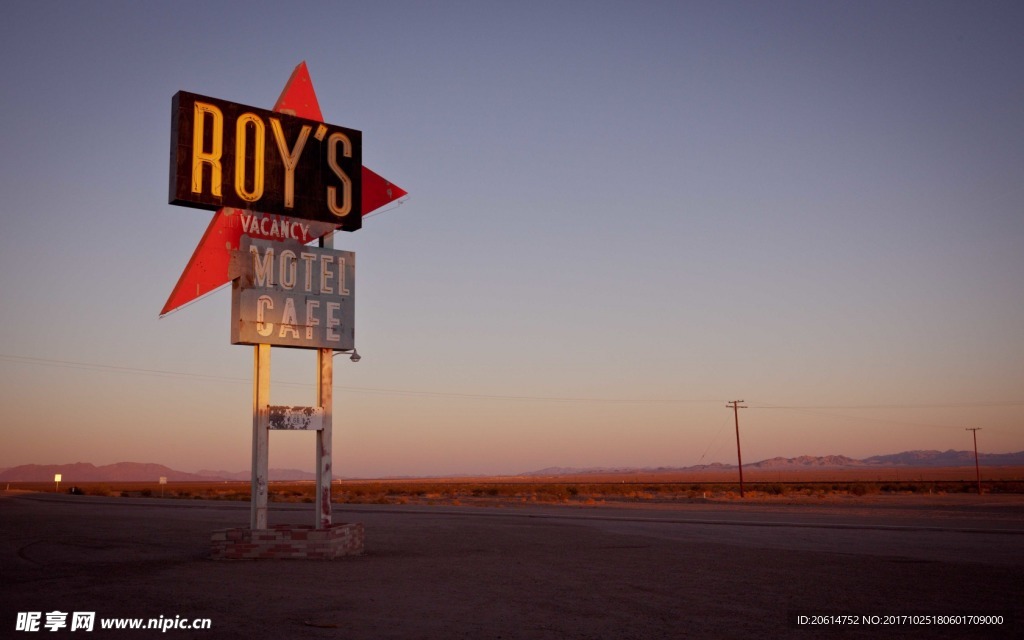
(325, 380)
(324, 439)
(260, 436)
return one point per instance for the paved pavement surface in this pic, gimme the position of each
(704, 570)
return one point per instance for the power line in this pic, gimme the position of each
(70, 364)
(860, 418)
(717, 435)
(808, 409)
(933, 405)
(373, 390)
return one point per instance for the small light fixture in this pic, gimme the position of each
(354, 357)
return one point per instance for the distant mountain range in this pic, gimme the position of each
(150, 472)
(910, 459)
(132, 472)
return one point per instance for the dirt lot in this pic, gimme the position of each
(700, 570)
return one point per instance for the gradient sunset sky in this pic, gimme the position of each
(622, 215)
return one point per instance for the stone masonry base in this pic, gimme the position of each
(289, 542)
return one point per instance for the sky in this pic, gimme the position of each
(622, 216)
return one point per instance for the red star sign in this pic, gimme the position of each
(207, 270)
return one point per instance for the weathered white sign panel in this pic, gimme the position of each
(289, 295)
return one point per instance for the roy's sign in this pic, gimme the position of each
(230, 155)
(289, 295)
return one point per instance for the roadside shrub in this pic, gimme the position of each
(775, 489)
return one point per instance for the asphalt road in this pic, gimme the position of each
(704, 570)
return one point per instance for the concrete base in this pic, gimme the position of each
(288, 542)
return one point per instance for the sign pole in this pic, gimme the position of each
(284, 291)
(325, 380)
(324, 439)
(260, 436)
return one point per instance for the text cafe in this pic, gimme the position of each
(290, 295)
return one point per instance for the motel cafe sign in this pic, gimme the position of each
(289, 295)
(278, 180)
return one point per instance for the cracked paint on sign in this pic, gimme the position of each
(296, 418)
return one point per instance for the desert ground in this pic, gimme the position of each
(701, 568)
(672, 486)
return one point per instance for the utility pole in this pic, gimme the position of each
(736, 406)
(977, 469)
